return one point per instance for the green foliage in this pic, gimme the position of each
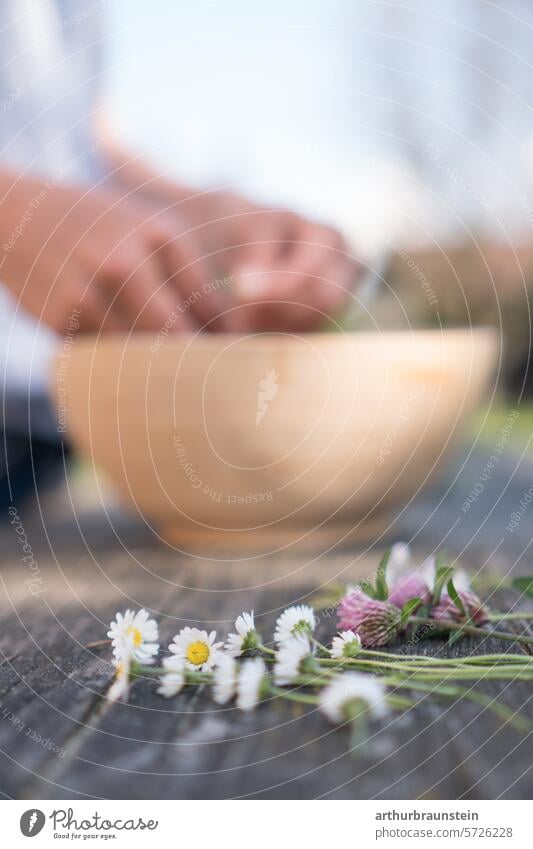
(409, 608)
(382, 590)
(524, 585)
(442, 576)
(456, 598)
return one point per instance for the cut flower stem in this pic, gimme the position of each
(471, 630)
(344, 681)
(495, 617)
(501, 711)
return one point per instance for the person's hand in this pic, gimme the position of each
(116, 259)
(288, 273)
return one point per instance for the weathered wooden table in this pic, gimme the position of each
(59, 739)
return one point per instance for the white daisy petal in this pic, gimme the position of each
(297, 619)
(346, 644)
(197, 648)
(289, 658)
(246, 637)
(120, 687)
(234, 645)
(251, 676)
(224, 679)
(350, 687)
(245, 623)
(134, 634)
(173, 678)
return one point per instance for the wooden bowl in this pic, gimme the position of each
(272, 436)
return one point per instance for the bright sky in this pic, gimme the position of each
(226, 93)
(328, 105)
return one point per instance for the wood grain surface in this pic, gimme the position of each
(59, 739)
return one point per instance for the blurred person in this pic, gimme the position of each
(407, 124)
(424, 156)
(91, 236)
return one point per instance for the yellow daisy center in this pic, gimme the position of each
(136, 634)
(197, 653)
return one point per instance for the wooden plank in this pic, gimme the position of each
(50, 684)
(190, 748)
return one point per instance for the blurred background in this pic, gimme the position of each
(409, 125)
(359, 111)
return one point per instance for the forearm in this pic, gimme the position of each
(133, 174)
(20, 198)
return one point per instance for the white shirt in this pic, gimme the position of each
(50, 72)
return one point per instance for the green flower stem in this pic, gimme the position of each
(155, 671)
(321, 678)
(443, 690)
(433, 672)
(502, 658)
(358, 735)
(472, 631)
(423, 679)
(408, 658)
(382, 666)
(147, 670)
(439, 677)
(501, 711)
(400, 702)
(412, 674)
(265, 649)
(321, 647)
(292, 696)
(480, 674)
(399, 657)
(495, 617)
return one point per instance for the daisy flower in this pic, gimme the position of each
(297, 619)
(353, 693)
(290, 658)
(246, 637)
(135, 635)
(197, 648)
(376, 622)
(120, 687)
(173, 678)
(346, 644)
(224, 679)
(251, 683)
